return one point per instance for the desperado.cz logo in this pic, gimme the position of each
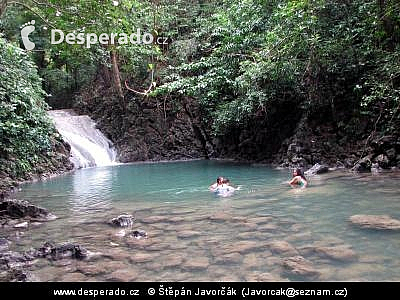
(88, 39)
(26, 30)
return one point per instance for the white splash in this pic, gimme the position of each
(89, 147)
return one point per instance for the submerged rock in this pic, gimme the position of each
(14, 260)
(282, 247)
(17, 275)
(4, 244)
(138, 234)
(380, 222)
(49, 250)
(341, 253)
(123, 221)
(298, 265)
(196, 264)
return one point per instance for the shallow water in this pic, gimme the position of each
(194, 235)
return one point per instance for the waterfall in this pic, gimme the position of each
(89, 147)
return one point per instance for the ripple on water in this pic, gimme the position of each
(194, 236)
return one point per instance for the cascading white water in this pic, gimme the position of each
(89, 147)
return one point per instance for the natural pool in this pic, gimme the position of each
(254, 235)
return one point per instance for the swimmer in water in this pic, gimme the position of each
(218, 183)
(298, 179)
(222, 187)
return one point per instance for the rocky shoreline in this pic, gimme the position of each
(145, 132)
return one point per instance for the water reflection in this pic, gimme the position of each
(196, 236)
(92, 190)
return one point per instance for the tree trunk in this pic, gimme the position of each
(116, 78)
(3, 6)
(388, 23)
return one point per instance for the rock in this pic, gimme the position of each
(363, 165)
(18, 275)
(91, 270)
(230, 258)
(121, 233)
(245, 246)
(341, 253)
(298, 265)
(282, 247)
(141, 257)
(220, 217)
(262, 277)
(382, 161)
(123, 221)
(23, 209)
(380, 222)
(123, 275)
(317, 169)
(185, 234)
(21, 225)
(349, 162)
(74, 277)
(299, 161)
(49, 250)
(138, 234)
(172, 261)
(391, 154)
(375, 168)
(11, 260)
(4, 244)
(196, 264)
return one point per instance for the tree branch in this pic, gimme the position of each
(31, 10)
(145, 93)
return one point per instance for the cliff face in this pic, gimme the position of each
(151, 130)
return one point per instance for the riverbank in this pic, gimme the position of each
(288, 138)
(54, 163)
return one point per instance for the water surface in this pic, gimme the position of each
(194, 235)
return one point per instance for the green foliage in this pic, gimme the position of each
(252, 55)
(25, 130)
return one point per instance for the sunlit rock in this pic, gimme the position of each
(381, 222)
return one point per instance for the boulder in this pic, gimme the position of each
(23, 209)
(317, 169)
(363, 165)
(379, 222)
(391, 154)
(382, 161)
(138, 234)
(54, 252)
(375, 168)
(123, 221)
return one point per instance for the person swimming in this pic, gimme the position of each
(218, 182)
(298, 179)
(222, 187)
